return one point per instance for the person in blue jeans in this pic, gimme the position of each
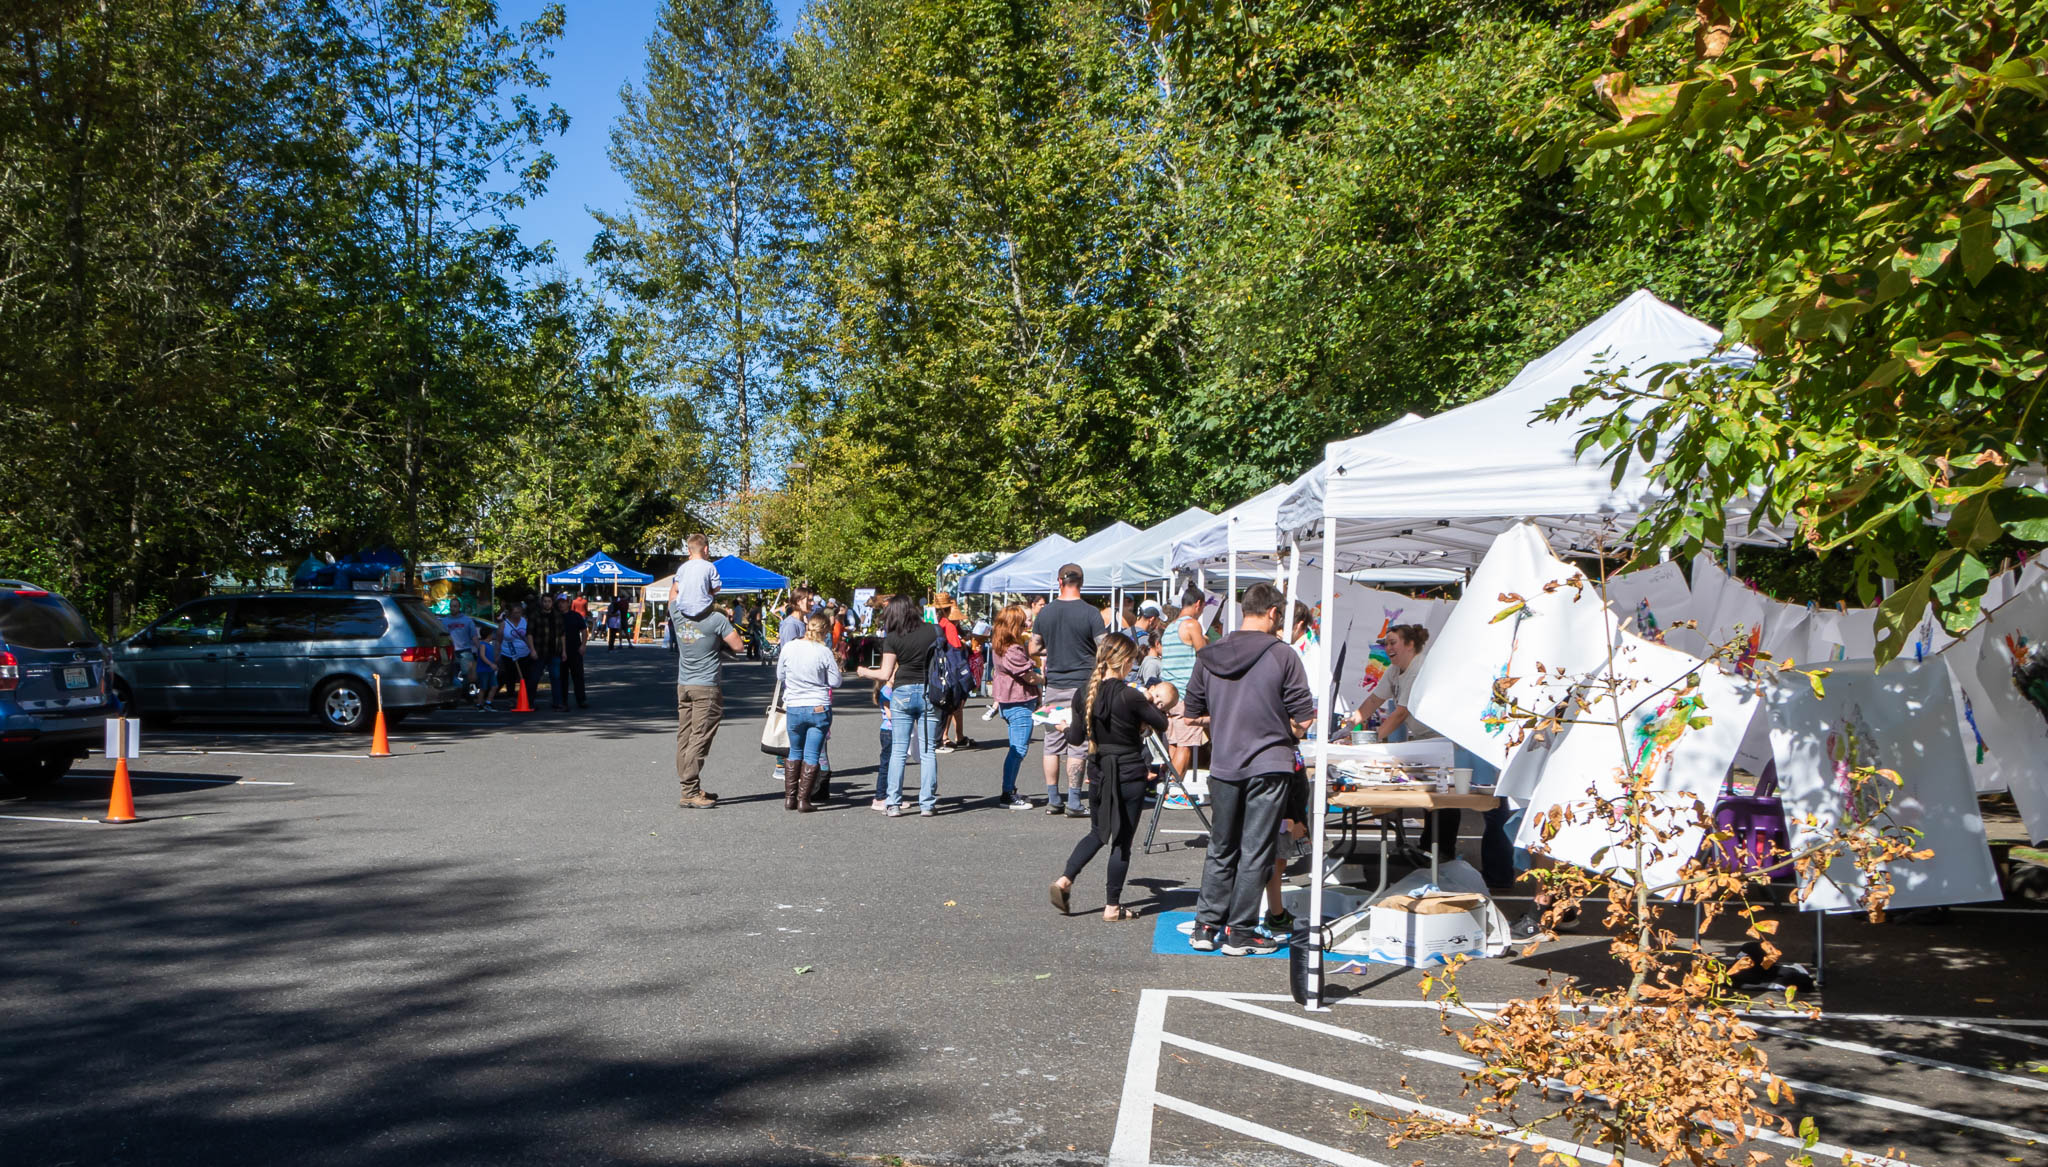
(808, 672)
(888, 739)
(1014, 687)
(908, 646)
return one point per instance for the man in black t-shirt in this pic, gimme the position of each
(575, 634)
(1065, 632)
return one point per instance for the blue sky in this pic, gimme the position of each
(603, 46)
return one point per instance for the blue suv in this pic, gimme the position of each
(53, 685)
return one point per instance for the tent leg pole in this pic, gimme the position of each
(1230, 607)
(1319, 794)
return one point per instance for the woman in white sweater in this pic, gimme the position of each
(808, 673)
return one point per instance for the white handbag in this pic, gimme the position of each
(775, 734)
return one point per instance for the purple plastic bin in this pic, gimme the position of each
(1757, 826)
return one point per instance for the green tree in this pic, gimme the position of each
(158, 154)
(1889, 160)
(704, 250)
(989, 360)
(447, 139)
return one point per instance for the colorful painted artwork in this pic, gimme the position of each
(1646, 622)
(1377, 662)
(2029, 670)
(1653, 731)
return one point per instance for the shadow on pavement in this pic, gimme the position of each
(362, 1016)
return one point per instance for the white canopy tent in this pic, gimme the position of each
(1040, 571)
(998, 576)
(1448, 484)
(1142, 558)
(1438, 490)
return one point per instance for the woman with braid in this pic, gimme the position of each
(1111, 718)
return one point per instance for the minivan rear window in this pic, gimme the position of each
(425, 624)
(351, 620)
(45, 621)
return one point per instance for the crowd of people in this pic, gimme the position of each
(1121, 700)
(537, 646)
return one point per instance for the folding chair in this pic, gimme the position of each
(1156, 753)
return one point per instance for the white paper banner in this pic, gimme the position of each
(1560, 634)
(2008, 684)
(1651, 601)
(1902, 719)
(1661, 692)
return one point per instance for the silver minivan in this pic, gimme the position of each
(301, 652)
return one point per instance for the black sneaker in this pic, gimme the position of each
(1280, 923)
(1203, 938)
(1072, 813)
(1236, 943)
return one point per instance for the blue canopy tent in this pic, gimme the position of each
(997, 576)
(737, 575)
(600, 569)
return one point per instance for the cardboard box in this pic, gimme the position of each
(1426, 930)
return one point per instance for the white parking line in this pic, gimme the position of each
(257, 754)
(1857, 1047)
(1142, 1098)
(1278, 1138)
(35, 818)
(1132, 1144)
(187, 781)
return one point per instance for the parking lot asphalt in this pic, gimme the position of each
(508, 945)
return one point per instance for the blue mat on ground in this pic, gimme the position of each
(1170, 938)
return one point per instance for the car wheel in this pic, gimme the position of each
(37, 771)
(345, 705)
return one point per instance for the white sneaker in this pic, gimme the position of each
(877, 804)
(989, 714)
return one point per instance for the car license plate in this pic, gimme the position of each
(77, 677)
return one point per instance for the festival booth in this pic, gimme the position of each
(1137, 560)
(1036, 569)
(1492, 486)
(599, 569)
(998, 576)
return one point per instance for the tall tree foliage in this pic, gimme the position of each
(1893, 161)
(447, 144)
(704, 250)
(145, 197)
(985, 186)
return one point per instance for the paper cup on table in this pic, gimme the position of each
(1461, 780)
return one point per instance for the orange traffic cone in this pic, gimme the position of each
(524, 705)
(380, 741)
(121, 803)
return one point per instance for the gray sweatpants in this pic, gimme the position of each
(1244, 828)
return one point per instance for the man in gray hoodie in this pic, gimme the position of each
(1252, 692)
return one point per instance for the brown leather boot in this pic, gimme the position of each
(806, 779)
(792, 777)
(821, 785)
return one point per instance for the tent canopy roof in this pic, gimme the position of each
(985, 581)
(1253, 518)
(1439, 489)
(1139, 558)
(737, 575)
(600, 569)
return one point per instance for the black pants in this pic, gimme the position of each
(1244, 829)
(1129, 811)
(572, 674)
(527, 671)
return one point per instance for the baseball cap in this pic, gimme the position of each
(1149, 608)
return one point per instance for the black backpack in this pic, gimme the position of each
(947, 684)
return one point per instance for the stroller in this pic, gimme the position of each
(1156, 753)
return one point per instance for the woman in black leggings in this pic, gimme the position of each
(1111, 718)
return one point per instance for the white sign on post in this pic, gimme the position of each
(114, 737)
